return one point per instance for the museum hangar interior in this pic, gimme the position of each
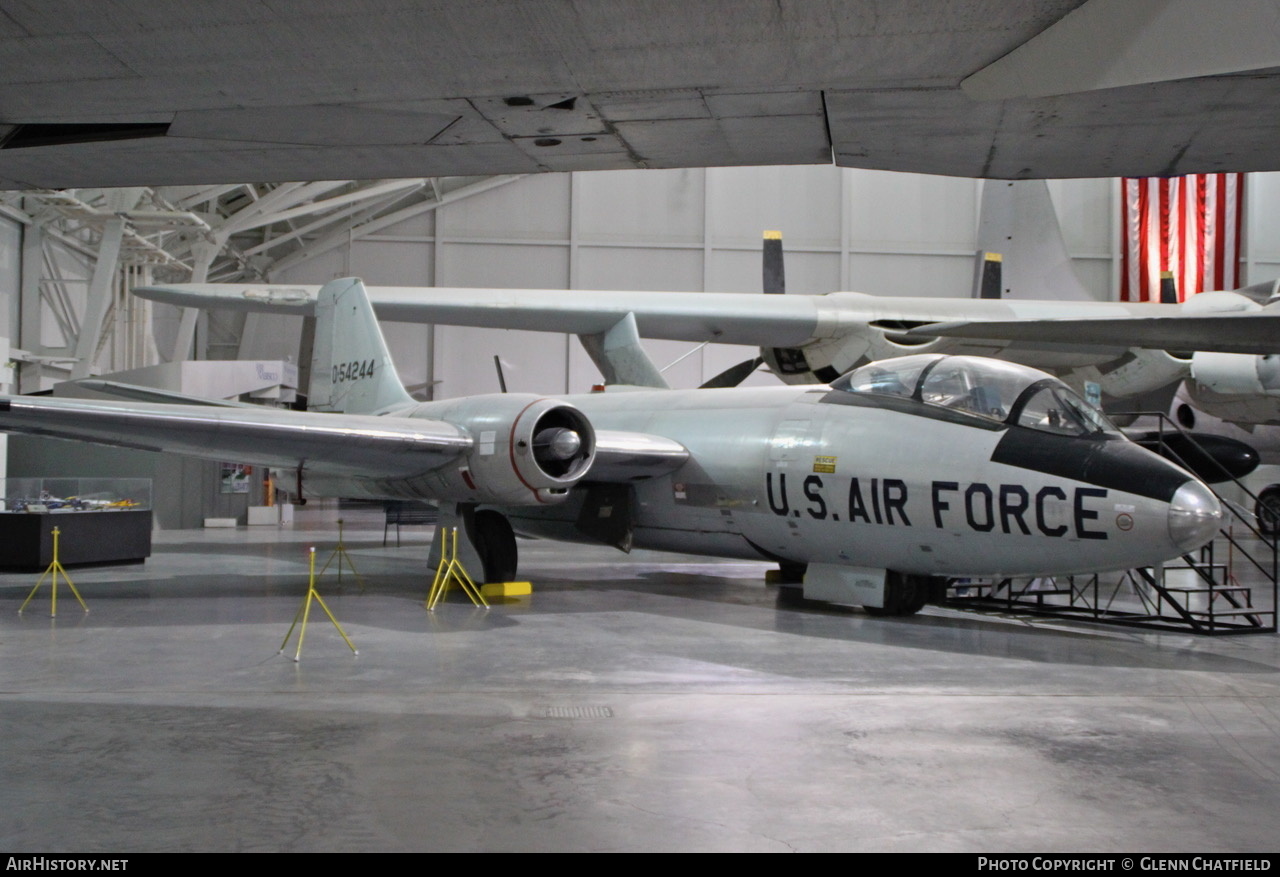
(636, 701)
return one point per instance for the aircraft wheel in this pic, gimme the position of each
(1268, 510)
(495, 542)
(904, 595)
(791, 572)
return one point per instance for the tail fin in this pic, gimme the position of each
(351, 368)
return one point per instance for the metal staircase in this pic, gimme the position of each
(1205, 593)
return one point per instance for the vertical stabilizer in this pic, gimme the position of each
(351, 368)
(1019, 221)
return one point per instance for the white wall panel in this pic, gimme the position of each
(801, 202)
(534, 208)
(502, 265)
(911, 212)
(421, 226)
(388, 263)
(658, 206)
(932, 276)
(1262, 240)
(646, 268)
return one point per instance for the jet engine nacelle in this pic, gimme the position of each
(526, 450)
(1237, 373)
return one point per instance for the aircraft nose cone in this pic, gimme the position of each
(1194, 516)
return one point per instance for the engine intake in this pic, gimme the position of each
(527, 449)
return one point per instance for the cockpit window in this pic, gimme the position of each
(974, 386)
(1054, 408)
(893, 377)
(1002, 392)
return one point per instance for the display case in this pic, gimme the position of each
(99, 520)
(36, 495)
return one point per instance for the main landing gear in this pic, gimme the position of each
(495, 542)
(903, 594)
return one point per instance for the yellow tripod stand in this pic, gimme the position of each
(304, 612)
(450, 569)
(54, 569)
(340, 552)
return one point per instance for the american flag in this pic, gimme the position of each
(1189, 226)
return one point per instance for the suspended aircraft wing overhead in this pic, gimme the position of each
(1257, 332)
(729, 317)
(1216, 321)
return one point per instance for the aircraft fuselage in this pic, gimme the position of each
(798, 476)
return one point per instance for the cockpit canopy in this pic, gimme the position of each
(1002, 392)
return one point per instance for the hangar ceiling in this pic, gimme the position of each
(86, 248)
(131, 92)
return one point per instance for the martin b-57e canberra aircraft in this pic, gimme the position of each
(897, 472)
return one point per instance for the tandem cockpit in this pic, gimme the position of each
(975, 389)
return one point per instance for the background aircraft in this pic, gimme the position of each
(923, 467)
(1107, 350)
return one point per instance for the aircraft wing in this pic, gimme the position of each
(339, 444)
(1218, 322)
(1257, 332)
(336, 444)
(729, 317)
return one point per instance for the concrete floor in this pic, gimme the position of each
(651, 702)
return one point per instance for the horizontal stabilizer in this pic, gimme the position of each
(138, 393)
